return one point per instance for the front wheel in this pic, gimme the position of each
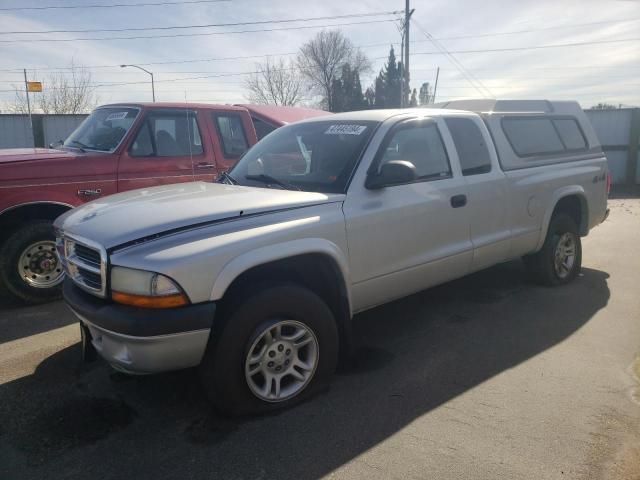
(277, 347)
(29, 264)
(560, 258)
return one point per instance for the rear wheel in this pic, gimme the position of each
(277, 347)
(29, 264)
(560, 258)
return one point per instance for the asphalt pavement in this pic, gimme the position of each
(485, 377)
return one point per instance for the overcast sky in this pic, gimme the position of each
(607, 71)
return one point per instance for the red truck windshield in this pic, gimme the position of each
(103, 130)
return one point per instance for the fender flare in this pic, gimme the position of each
(260, 256)
(556, 197)
(36, 202)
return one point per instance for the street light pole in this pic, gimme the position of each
(153, 88)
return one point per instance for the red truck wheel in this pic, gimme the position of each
(29, 266)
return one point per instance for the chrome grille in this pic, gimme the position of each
(85, 263)
(87, 255)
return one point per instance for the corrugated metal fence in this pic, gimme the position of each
(618, 131)
(619, 134)
(15, 131)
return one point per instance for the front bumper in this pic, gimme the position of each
(138, 340)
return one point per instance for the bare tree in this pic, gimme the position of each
(70, 92)
(321, 59)
(275, 83)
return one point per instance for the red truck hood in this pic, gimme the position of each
(11, 155)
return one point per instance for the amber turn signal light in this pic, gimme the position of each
(143, 301)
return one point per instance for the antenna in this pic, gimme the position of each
(186, 108)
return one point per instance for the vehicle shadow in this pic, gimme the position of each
(19, 320)
(415, 355)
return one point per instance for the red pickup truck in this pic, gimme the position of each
(117, 148)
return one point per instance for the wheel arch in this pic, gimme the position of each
(317, 264)
(571, 200)
(37, 210)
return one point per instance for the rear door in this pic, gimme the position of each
(165, 149)
(486, 190)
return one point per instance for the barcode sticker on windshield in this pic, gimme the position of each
(345, 130)
(116, 116)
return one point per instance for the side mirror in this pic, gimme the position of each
(392, 173)
(59, 143)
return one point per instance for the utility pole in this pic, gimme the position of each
(435, 87)
(405, 77)
(26, 90)
(405, 68)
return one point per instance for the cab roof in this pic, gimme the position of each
(269, 113)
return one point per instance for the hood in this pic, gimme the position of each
(137, 214)
(12, 155)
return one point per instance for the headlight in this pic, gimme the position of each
(145, 289)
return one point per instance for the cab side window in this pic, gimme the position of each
(421, 145)
(232, 135)
(472, 149)
(170, 133)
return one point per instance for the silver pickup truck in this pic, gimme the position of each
(255, 279)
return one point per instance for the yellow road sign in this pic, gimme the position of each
(34, 86)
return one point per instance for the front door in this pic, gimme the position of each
(405, 238)
(166, 149)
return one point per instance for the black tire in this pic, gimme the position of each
(222, 369)
(541, 265)
(10, 252)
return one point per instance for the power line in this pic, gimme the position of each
(477, 84)
(111, 5)
(512, 49)
(570, 25)
(148, 37)
(478, 35)
(209, 25)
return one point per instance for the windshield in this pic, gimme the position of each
(103, 129)
(310, 156)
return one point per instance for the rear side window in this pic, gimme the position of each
(470, 144)
(570, 133)
(532, 136)
(421, 145)
(543, 136)
(232, 135)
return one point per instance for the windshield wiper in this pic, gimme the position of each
(269, 180)
(225, 176)
(79, 145)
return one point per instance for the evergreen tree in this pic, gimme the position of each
(414, 98)
(392, 81)
(359, 102)
(388, 82)
(379, 98)
(425, 94)
(370, 97)
(346, 91)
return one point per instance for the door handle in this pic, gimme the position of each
(458, 201)
(205, 165)
(92, 192)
